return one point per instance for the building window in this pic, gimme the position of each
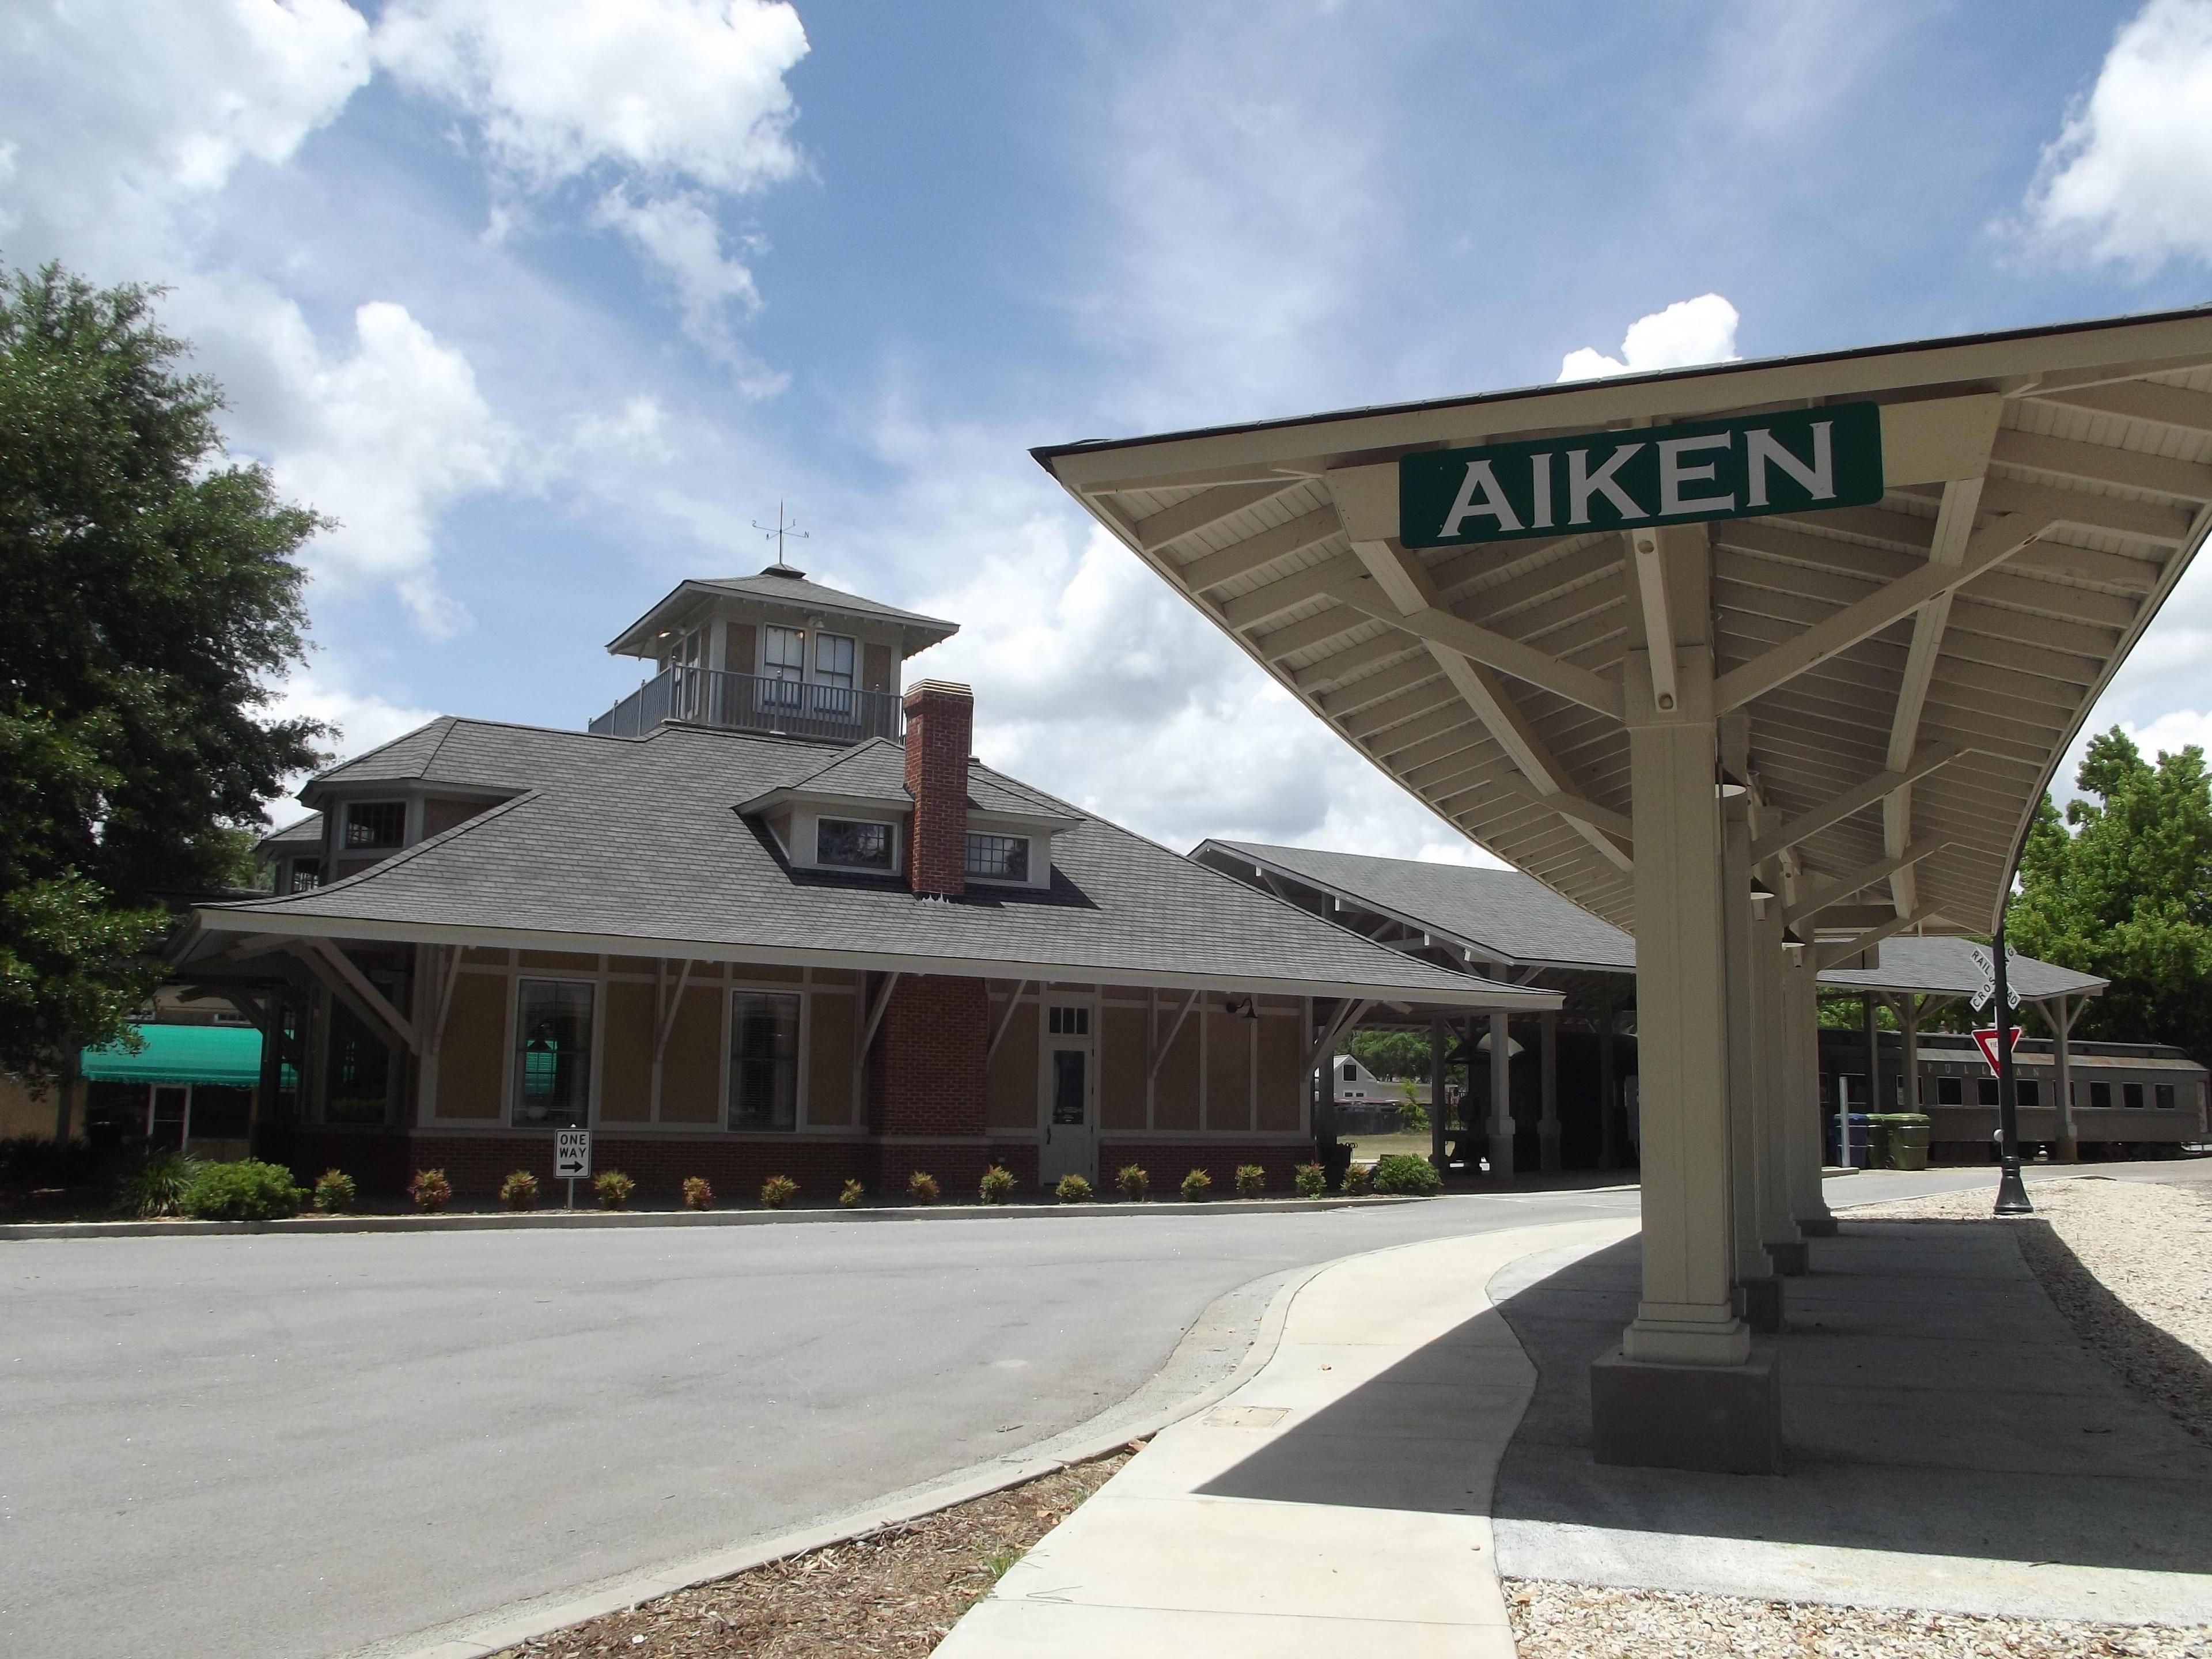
(307, 875)
(375, 823)
(2100, 1096)
(999, 858)
(2132, 1096)
(358, 1077)
(1068, 1022)
(834, 661)
(1950, 1091)
(763, 1060)
(850, 844)
(1351, 1071)
(553, 1063)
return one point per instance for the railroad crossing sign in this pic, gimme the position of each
(1986, 1040)
(1988, 988)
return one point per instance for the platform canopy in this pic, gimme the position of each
(1914, 605)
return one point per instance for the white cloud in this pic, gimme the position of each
(1689, 331)
(661, 88)
(2130, 176)
(383, 439)
(679, 233)
(363, 720)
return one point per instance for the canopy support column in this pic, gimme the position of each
(1547, 1127)
(1778, 1225)
(1759, 1287)
(1685, 1389)
(1438, 1046)
(1909, 1010)
(1608, 1149)
(1501, 1097)
(1801, 1005)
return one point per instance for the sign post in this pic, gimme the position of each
(572, 1159)
(2012, 1194)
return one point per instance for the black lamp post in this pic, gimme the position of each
(2012, 1192)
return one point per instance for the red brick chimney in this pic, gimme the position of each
(940, 718)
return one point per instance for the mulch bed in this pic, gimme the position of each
(893, 1592)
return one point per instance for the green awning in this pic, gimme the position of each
(181, 1054)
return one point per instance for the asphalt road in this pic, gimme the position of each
(296, 1445)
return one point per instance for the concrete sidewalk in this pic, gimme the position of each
(1338, 1503)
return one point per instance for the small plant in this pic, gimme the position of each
(1358, 1180)
(1402, 1172)
(430, 1190)
(1073, 1189)
(849, 1198)
(247, 1190)
(1133, 1182)
(335, 1193)
(1195, 1186)
(518, 1191)
(1412, 1116)
(613, 1188)
(777, 1191)
(921, 1189)
(697, 1194)
(1251, 1180)
(997, 1185)
(1310, 1181)
(155, 1186)
(1000, 1561)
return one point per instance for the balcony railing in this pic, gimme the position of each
(753, 703)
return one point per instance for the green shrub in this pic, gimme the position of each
(1412, 1116)
(38, 1161)
(1310, 1181)
(1073, 1189)
(777, 1191)
(1402, 1172)
(1196, 1185)
(697, 1194)
(1358, 1180)
(1251, 1180)
(852, 1193)
(430, 1190)
(335, 1193)
(248, 1190)
(1133, 1182)
(997, 1185)
(155, 1185)
(921, 1189)
(518, 1191)
(612, 1190)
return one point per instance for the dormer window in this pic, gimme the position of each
(999, 858)
(852, 844)
(371, 824)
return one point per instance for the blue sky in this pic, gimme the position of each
(548, 301)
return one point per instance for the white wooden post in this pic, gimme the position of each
(1547, 1128)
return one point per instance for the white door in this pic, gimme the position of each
(1067, 1094)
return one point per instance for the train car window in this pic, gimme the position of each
(2165, 1096)
(1989, 1091)
(2101, 1096)
(1950, 1091)
(2031, 1094)
(2131, 1095)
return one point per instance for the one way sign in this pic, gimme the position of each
(1987, 1043)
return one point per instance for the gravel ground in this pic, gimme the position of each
(2130, 1263)
(1581, 1621)
(893, 1592)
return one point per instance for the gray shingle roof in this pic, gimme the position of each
(306, 832)
(771, 587)
(404, 757)
(621, 839)
(1947, 966)
(1508, 915)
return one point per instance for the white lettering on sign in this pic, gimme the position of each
(1583, 483)
(1672, 474)
(1762, 448)
(1491, 502)
(572, 1154)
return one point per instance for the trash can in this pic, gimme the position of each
(1879, 1124)
(1858, 1156)
(1908, 1140)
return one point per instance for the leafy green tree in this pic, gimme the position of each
(2121, 888)
(1390, 1055)
(152, 598)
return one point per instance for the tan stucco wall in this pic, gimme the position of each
(1010, 1098)
(626, 1060)
(1283, 1086)
(829, 1061)
(1228, 1069)
(471, 1058)
(691, 1070)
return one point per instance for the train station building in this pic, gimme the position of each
(1764, 663)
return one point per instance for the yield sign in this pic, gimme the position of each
(1987, 1043)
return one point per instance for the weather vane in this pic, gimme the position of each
(783, 528)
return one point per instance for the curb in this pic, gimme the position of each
(496, 1222)
(479, 1636)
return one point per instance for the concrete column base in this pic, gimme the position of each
(1549, 1141)
(1722, 1419)
(1822, 1226)
(1791, 1258)
(1501, 1155)
(1762, 1305)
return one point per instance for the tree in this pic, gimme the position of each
(2121, 888)
(1390, 1055)
(153, 597)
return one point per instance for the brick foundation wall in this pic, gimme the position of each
(927, 1075)
(958, 1167)
(1168, 1161)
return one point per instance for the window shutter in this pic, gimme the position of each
(744, 656)
(878, 668)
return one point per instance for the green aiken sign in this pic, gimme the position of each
(1735, 468)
